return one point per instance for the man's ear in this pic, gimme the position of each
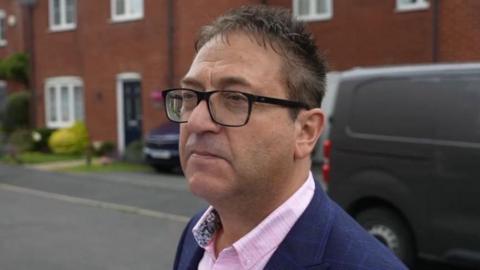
(308, 128)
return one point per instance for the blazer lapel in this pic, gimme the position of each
(191, 252)
(193, 260)
(304, 245)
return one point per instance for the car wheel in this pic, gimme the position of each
(389, 229)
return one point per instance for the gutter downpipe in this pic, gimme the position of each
(170, 43)
(27, 28)
(435, 19)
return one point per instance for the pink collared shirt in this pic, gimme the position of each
(254, 249)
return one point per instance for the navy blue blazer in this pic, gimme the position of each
(324, 237)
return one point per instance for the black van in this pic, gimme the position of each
(403, 158)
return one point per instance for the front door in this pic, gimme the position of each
(132, 104)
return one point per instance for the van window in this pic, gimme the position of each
(460, 120)
(399, 107)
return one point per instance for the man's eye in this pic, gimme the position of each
(176, 97)
(188, 96)
(235, 97)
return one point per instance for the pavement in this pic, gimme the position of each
(51, 220)
(47, 234)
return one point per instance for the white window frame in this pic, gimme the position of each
(63, 26)
(57, 82)
(419, 5)
(313, 16)
(126, 16)
(3, 16)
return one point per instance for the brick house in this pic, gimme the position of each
(101, 61)
(15, 37)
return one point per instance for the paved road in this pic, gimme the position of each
(94, 221)
(60, 221)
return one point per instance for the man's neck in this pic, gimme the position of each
(240, 216)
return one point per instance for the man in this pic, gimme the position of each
(250, 113)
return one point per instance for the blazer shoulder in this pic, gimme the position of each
(351, 247)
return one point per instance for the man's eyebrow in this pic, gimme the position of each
(223, 82)
(233, 80)
(186, 81)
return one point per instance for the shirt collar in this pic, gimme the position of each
(207, 225)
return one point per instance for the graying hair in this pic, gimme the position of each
(304, 68)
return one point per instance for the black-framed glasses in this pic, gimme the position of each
(226, 107)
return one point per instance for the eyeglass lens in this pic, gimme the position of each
(225, 107)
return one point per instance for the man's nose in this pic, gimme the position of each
(200, 119)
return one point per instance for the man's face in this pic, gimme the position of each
(223, 163)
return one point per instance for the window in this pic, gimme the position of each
(126, 10)
(62, 15)
(3, 29)
(407, 5)
(440, 107)
(391, 109)
(311, 10)
(63, 101)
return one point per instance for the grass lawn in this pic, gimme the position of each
(38, 158)
(116, 166)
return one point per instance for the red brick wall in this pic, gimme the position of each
(370, 33)
(15, 35)
(189, 17)
(459, 30)
(361, 33)
(97, 50)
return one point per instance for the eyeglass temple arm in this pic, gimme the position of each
(281, 102)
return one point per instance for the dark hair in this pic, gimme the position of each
(304, 67)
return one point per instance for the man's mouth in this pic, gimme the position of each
(204, 154)
(204, 148)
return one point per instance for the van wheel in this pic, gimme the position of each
(389, 229)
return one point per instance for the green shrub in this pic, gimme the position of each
(21, 140)
(3, 141)
(72, 140)
(15, 67)
(1, 116)
(40, 138)
(17, 111)
(81, 132)
(103, 148)
(134, 152)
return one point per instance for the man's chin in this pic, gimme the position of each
(205, 185)
(206, 167)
